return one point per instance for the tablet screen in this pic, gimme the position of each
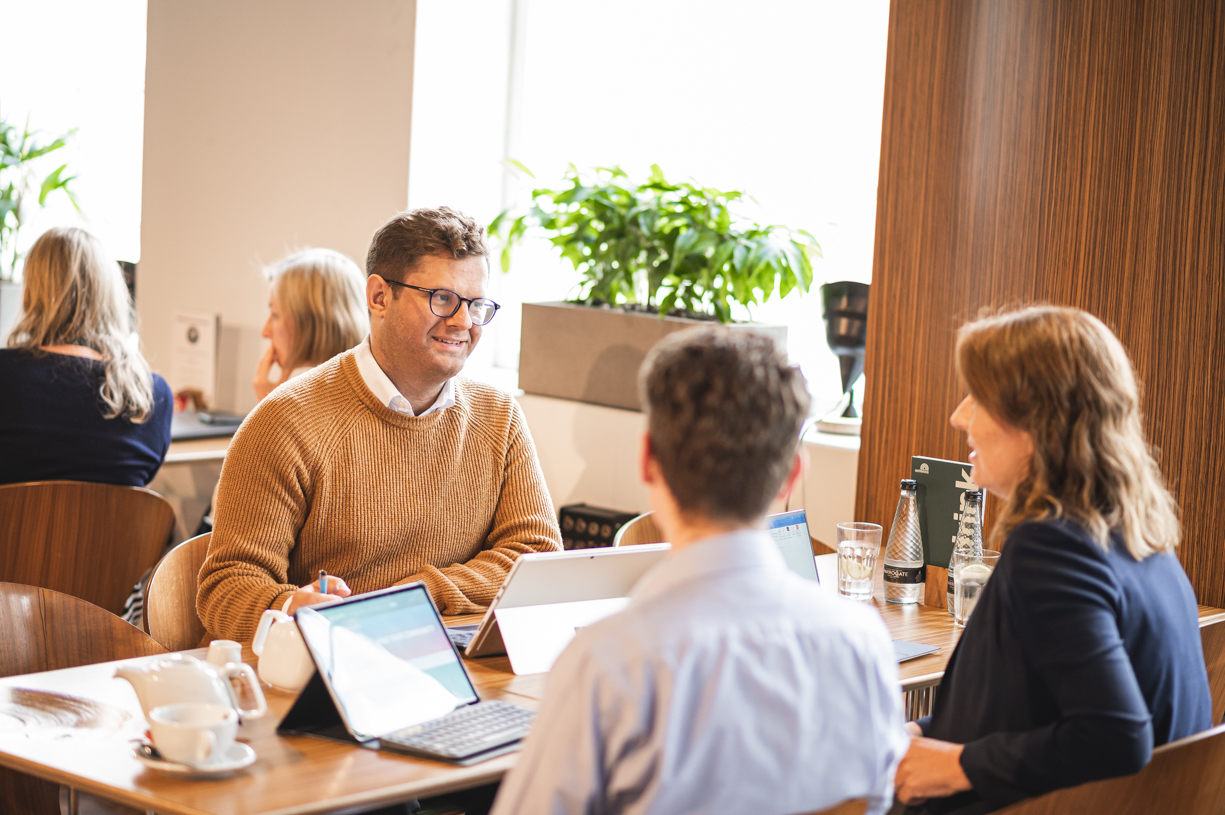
(790, 532)
(387, 660)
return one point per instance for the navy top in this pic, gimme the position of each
(51, 424)
(1076, 662)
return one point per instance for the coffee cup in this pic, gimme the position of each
(196, 734)
(221, 652)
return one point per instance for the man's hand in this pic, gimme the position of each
(930, 769)
(262, 384)
(310, 595)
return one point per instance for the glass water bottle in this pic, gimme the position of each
(904, 572)
(969, 533)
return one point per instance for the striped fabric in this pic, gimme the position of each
(323, 476)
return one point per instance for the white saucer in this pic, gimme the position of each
(239, 755)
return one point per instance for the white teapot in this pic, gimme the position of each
(180, 678)
(284, 661)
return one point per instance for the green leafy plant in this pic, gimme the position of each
(19, 155)
(675, 248)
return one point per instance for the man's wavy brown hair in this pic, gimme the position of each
(724, 412)
(1062, 376)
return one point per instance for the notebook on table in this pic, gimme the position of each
(388, 677)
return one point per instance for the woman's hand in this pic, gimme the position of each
(309, 595)
(930, 769)
(262, 384)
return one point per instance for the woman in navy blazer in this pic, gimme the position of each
(77, 400)
(1083, 652)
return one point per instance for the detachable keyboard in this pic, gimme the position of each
(465, 732)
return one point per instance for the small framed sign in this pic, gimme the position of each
(941, 492)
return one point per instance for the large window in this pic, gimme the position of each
(81, 64)
(780, 98)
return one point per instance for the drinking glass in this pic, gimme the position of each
(858, 549)
(970, 575)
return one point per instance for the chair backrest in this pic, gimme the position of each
(642, 529)
(1212, 635)
(43, 630)
(1185, 776)
(93, 541)
(852, 806)
(170, 599)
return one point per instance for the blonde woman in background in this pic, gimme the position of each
(317, 309)
(77, 399)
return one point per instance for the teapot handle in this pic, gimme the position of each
(269, 617)
(246, 674)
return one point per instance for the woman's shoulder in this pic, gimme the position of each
(1043, 550)
(48, 370)
(1050, 531)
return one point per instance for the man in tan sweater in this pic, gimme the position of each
(383, 466)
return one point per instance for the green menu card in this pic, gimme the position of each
(941, 490)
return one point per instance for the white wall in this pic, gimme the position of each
(269, 126)
(589, 453)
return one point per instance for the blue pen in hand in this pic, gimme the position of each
(323, 582)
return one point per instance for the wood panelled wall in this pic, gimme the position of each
(1068, 152)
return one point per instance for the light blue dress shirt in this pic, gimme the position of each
(728, 685)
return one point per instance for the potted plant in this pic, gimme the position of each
(653, 258)
(20, 155)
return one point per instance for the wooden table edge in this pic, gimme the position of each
(482, 773)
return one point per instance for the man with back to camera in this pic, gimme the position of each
(383, 466)
(729, 684)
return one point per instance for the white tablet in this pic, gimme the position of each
(551, 578)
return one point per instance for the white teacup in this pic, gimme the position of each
(193, 733)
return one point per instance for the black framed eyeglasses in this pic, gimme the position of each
(444, 303)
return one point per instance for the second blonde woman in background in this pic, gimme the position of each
(317, 309)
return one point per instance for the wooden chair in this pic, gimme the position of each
(642, 529)
(170, 599)
(43, 630)
(853, 806)
(1185, 776)
(93, 541)
(1212, 636)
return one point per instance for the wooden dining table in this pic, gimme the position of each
(78, 727)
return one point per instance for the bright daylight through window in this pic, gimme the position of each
(779, 99)
(84, 74)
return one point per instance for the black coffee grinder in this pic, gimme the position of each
(844, 307)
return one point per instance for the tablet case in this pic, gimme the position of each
(315, 714)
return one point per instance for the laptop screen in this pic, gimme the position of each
(386, 660)
(790, 532)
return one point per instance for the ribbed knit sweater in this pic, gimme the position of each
(323, 476)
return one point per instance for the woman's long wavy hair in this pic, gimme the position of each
(74, 294)
(1062, 376)
(323, 295)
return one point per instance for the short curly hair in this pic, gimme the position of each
(404, 239)
(724, 413)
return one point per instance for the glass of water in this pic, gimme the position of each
(970, 575)
(858, 549)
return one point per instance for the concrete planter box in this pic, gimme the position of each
(592, 354)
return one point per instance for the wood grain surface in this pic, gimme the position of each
(642, 529)
(43, 630)
(170, 598)
(93, 541)
(1068, 153)
(1212, 637)
(1184, 777)
(299, 775)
